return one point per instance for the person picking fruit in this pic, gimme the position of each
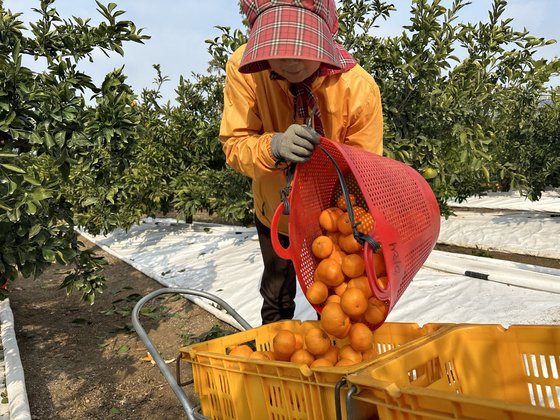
(290, 84)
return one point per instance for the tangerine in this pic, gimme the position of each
(349, 244)
(328, 219)
(341, 202)
(347, 352)
(341, 288)
(333, 299)
(382, 281)
(338, 255)
(353, 265)
(361, 337)
(353, 302)
(334, 238)
(361, 283)
(322, 246)
(317, 293)
(302, 356)
(259, 355)
(345, 362)
(284, 344)
(317, 341)
(379, 265)
(334, 321)
(243, 351)
(358, 212)
(369, 354)
(343, 224)
(331, 355)
(375, 312)
(330, 272)
(299, 341)
(365, 223)
(321, 363)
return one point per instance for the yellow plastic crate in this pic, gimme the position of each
(469, 371)
(231, 387)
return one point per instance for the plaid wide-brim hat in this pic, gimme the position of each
(303, 29)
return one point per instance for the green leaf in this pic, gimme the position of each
(35, 229)
(48, 255)
(13, 168)
(123, 349)
(31, 180)
(41, 194)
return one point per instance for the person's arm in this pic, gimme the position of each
(245, 146)
(366, 125)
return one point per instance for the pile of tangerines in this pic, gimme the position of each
(342, 288)
(314, 348)
(340, 283)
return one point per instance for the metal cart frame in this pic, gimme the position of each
(175, 383)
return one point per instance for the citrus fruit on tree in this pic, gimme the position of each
(429, 173)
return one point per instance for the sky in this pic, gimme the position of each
(178, 30)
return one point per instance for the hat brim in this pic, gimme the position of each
(289, 32)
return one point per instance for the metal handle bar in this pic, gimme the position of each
(179, 392)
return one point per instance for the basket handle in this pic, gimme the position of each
(381, 294)
(282, 252)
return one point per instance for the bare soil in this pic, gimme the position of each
(85, 362)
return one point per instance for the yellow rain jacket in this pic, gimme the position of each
(256, 107)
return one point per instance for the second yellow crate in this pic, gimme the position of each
(232, 387)
(469, 371)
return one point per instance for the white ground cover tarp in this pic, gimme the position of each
(225, 261)
(549, 201)
(519, 232)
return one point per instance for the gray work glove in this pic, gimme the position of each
(295, 144)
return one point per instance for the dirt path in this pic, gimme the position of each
(85, 362)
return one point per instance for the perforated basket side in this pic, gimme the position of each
(474, 371)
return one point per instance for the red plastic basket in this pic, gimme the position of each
(406, 213)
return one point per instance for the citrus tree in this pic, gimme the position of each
(462, 102)
(50, 136)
